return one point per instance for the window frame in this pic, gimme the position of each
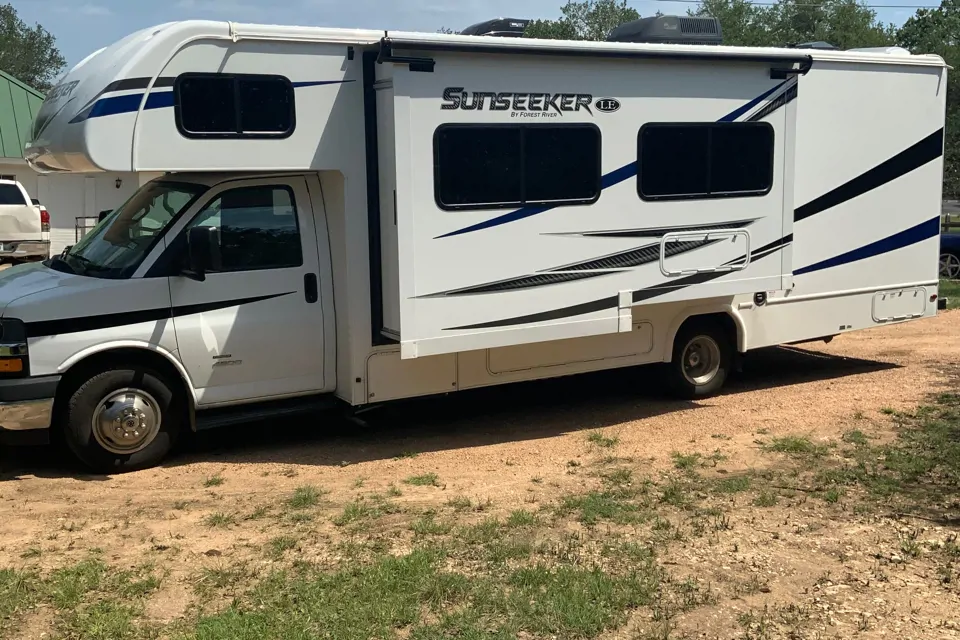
(522, 202)
(707, 196)
(217, 196)
(239, 134)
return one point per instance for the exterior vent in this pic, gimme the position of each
(707, 26)
(824, 46)
(669, 29)
(501, 27)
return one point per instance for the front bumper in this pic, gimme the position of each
(26, 409)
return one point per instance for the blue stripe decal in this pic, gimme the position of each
(913, 235)
(115, 105)
(613, 178)
(733, 115)
(159, 100)
(156, 100)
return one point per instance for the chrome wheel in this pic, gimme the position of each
(126, 421)
(949, 266)
(701, 360)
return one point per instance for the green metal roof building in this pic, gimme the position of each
(19, 104)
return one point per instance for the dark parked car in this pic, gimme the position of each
(950, 255)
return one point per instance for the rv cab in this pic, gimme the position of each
(352, 217)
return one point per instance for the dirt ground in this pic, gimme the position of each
(812, 568)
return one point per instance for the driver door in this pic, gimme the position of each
(254, 328)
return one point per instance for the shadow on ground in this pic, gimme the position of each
(508, 413)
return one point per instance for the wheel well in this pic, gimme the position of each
(81, 371)
(721, 319)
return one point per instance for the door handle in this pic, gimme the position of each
(310, 287)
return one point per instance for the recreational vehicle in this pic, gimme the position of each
(357, 217)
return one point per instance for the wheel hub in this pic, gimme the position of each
(701, 360)
(126, 421)
(949, 266)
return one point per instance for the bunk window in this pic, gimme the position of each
(704, 160)
(496, 166)
(234, 106)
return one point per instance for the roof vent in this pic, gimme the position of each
(669, 29)
(820, 44)
(501, 27)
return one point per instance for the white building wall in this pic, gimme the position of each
(75, 196)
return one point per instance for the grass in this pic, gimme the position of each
(460, 503)
(363, 510)
(427, 525)
(219, 520)
(950, 289)
(687, 461)
(280, 544)
(18, 590)
(598, 439)
(396, 592)
(425, 480)
(304, 497)
(522, 518)
(797, 446)
(734, 484)
(766, 499)
(213, 481)
(596, 506)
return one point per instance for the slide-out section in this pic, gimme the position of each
(533, 199)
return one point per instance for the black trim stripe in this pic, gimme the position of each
(656, 232)
(783, 99)
(92, 323)
(914, 157)
(638, 295)
(635, 257)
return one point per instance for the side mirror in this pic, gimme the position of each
(103, 214)
(203, 252)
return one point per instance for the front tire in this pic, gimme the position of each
(123, 419)
(702, 358)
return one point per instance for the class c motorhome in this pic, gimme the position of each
(365, 216)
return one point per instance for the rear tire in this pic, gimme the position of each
(123, 419)
(702, 358)
(949, 266)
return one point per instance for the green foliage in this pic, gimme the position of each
(938, 31)
(27, 53)
(586, 20)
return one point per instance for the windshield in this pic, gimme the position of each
(118, 244)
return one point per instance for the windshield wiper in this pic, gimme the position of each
(59, 264)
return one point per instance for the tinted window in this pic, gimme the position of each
(216, 105)
(258, 228)
(509, 166)
(208, 105)
(10, 194)
(478, 166)
(704, 160)
(265, 105)
(561, 163)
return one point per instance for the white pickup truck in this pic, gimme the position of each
(24, 225)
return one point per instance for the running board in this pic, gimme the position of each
(239, 414)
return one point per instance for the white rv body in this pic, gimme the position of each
(414, 297)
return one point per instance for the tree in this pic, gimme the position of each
(843, 23)
(28, 53)
(938, 31)
(585, 20)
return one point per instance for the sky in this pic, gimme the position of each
(83, 26)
